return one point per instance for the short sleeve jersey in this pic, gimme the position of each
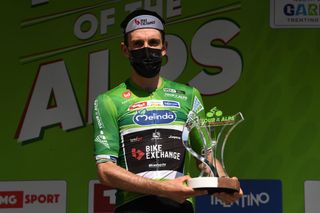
(141, 131)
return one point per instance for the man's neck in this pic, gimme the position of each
(147, 84)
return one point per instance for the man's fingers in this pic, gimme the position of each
(199, 192)
(229, 198)
(183, 178)
(235, 178)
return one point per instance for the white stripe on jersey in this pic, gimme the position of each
(139, 129)
(162, 174)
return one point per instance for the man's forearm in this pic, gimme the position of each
(112, 175)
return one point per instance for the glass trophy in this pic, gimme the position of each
(212, 134)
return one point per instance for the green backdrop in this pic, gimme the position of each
(278, 91)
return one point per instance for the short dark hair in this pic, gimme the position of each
(136, 13)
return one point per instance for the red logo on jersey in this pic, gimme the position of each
(126, 94)
(138, 154)
(138, 105)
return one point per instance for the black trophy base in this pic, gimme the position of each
(215, 184)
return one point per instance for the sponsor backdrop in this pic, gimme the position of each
(257, 57)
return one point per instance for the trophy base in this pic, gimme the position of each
(215, 184)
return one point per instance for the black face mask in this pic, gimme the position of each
(146, 61)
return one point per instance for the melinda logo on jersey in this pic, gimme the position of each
(148, 117)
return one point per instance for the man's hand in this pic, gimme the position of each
(229, 198)
(115, 176)
(178, 190)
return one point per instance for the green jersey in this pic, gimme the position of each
(141, 131)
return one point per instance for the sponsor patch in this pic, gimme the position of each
(126, 94)
(197, 106)
(138, 105)
(154, 103)
(148, 117)
(136, 139)
(171, 104)
(101, 138)
(156, 136)
(178, 96)
(144, 21)
(170, 90)
(175, 137)
(155, 151)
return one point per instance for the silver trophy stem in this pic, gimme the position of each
(185, 136)
(213, 169)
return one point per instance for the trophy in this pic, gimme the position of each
(212, 133)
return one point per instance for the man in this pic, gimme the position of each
(138, 127)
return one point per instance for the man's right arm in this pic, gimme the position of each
(115, 176)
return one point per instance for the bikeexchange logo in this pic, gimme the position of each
(145, 117)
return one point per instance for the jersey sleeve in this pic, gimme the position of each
(106, 131)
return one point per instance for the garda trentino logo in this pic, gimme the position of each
(148, 117)
(294, 13)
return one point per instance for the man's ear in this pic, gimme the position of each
(164, 49)
(124, 50)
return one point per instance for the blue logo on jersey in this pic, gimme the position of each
(145, 117)
(171, 104)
